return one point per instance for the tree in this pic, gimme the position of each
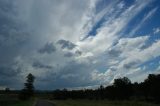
(7, 89)
(152, 87)
(29, 84)
(28, 90)
(123, 88)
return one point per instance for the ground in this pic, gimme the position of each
(12, 100)
(101, 103)
(43, 103)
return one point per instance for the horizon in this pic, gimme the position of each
(78, 43)
(95, 87)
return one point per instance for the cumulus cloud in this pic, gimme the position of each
(10, 75)
(69, 54)
(89, 44)
(11, 30)
(156, 30)
(40, 65)
(48, 48)
(66, 44)
(130, 56)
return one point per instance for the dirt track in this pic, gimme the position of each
(43, 103)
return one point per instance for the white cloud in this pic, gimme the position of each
(127, 56)
(156, 30)
(143, 21)
(109, 32)
(92, 47)
(87, 62)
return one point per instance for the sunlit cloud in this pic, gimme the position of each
(76, 44)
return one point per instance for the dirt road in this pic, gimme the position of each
(43, 103)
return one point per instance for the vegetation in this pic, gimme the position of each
(121, 93)
(14, 97)
(28, 90)
(24, 103)
(100, 103)
(12, 100)
(122, 89)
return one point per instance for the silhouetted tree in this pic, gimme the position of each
(152, 86)
(100, 92)
(29, 84)
(7, 89)
(28, 90)
(122, 88)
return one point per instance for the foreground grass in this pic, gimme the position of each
(100, 103)
(12, 100)
(17, 103)
(24, 103)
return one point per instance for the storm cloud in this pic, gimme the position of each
(78, 43)
(48, 48)
(66, 44)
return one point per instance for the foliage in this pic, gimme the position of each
(122, 89)
(24, 103)
(28, 90)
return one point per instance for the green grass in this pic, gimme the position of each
(12, 100)
(100, 103)
(24, 103)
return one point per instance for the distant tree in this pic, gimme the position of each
(101, 92)
(28, 90)
(29, 84)
(123, 88)
(7, 89)
(152, 87)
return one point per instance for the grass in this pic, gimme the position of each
(12, 100)
(24, 103)
(100, 103)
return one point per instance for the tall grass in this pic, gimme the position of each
(24, 103)
(100, 103)
(12, 100)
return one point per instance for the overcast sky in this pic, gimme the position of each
(78, 43)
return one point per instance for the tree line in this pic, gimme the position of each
(121, 89)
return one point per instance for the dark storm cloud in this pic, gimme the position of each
(27, 25)
(77, 52)
(11, 30)
(48, 48)
(8, 76)
(13, 36)
(71, 54)
(66, 44)
(130, 65)
(40, 65)
(8, 72)
(73, 74)
(18, 20)
(68, 54)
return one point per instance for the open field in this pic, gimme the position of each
(23, 103)
(100, 103)
(12, 100)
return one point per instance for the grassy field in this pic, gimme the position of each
(17, 103)
(12, 100)
(100, 103)
(23, 103)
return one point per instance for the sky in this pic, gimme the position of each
(78, 43)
